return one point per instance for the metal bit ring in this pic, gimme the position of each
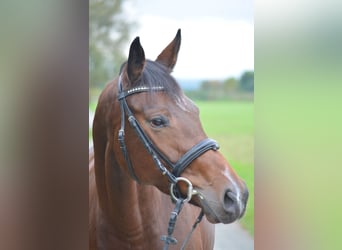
(190, 189)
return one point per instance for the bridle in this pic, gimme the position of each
(159, 158)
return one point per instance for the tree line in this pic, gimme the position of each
(241, 88)
(108, 34)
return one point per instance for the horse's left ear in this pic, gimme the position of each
(168, 56)
(136, 61)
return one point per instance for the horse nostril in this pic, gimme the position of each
(229, 201)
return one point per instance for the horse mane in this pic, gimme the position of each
(157, 75)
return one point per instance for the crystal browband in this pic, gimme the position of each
(138, 90)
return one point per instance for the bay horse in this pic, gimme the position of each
(152, 163)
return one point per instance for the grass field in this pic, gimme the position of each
(231, 123)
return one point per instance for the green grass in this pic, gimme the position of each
(92, 106)
(232, 125)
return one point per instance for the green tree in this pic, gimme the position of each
(108, 33)
(246, 82)
(230, 84)
(211, 89)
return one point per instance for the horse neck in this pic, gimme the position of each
(130, 207)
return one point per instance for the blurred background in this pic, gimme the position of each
(215, 68)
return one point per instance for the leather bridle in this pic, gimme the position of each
(159, 158)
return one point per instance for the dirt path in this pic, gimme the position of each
(232, 237)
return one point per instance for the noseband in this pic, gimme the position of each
(159, 158)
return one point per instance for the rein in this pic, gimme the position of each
(158, 158)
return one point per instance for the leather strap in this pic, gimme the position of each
(196, 151)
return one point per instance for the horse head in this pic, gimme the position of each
(170, 122)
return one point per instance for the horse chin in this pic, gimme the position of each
(214, 218)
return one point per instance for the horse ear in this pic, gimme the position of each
(168, 56)
(136, 61)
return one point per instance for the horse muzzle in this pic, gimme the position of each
(225, 209)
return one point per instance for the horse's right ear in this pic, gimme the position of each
(136, 61)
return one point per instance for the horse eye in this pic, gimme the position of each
(158, 122)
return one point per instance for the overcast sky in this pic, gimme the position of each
(217, 35)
